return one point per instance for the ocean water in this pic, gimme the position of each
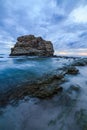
(14, 71)
(65, 111)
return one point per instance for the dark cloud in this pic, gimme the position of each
(54, 20)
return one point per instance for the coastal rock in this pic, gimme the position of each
(43, 88)
(72, 70)
(81, 119)
(80, 62)
(32, 46)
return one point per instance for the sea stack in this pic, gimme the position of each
(32, 46)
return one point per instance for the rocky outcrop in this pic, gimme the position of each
(43, 88)
(32, 46)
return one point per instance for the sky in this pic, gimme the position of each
(64, 22)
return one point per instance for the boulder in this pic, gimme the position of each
(72, 70)
(32, 46)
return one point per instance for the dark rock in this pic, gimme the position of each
(80, 62)
(72, 70)
(70, 96)
(74, 88)
(74, 91)
(32, 46)
(42, 88)
(81, 119)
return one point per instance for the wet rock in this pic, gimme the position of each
(32, 46)
(74, 91)
(81, 119)
(72, 70)
(70, 96)
(74, 88)
(80, 62)
(42, 88)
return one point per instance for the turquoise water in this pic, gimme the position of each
(19, 70)
(59, 112)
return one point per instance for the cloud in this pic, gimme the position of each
(63, 22)
(78, 15)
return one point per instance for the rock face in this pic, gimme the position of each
(32, 46)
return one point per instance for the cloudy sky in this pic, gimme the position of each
(64, 22)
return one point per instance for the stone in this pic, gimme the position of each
(43, 88)
(32, 46)
(80, 62)
(81, 119)
(72, 70)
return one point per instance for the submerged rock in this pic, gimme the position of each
(81, 119)
(32, 46)
(70, 96)
(72, 70)
(43, 88)
(80, 62)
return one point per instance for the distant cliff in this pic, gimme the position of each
(32, 46)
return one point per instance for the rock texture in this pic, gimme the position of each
(32, 46)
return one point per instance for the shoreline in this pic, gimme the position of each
(46, 86)
(55, 99)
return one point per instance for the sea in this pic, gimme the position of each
(65, 111)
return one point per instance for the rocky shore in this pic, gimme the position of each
(48, 85)
(54, 97)
(44, 87)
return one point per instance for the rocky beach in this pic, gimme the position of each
(41, 91)
(43, 65)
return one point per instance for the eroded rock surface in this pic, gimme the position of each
(43, 88)
(32, 46)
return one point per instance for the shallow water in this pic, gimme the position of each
(18, 70)
(57, 113)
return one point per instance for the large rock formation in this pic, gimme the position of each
(32, 46)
